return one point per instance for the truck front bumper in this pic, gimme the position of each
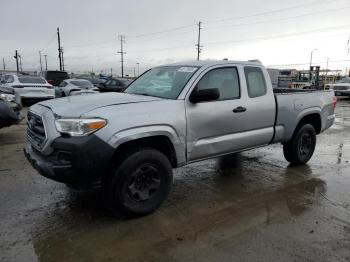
(78, 161)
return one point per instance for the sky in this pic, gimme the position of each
(281, 34)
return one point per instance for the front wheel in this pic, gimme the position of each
(140, 184)
(301, 147)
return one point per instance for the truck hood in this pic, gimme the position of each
(75, 106)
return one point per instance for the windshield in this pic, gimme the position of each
(31, 80)
(344, 80)
(165, 82)
(84, 83)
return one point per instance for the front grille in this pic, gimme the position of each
(340, 88)
(35, 130)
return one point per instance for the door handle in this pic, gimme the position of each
(239, 109)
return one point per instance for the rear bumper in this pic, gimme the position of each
(9, 114)
(35, 93)
(74, 160)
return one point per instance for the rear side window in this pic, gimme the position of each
(31, 80)
(256, 83)
(81, 83)
(225, 79)
(56, 75)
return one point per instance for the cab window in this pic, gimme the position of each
(256, 83)
(225, 79)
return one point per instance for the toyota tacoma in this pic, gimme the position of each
(169, 117)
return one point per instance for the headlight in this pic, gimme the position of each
(80, 126)
(7, 97)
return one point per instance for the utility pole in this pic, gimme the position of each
(121, 52)
(111, 72)
(327, 66)
(59, 48)
(62, 58)
(311, 57)
(198, 45)
(134, 72)
(41, 65)
(3, 63)
(20, 63)
(16, 57)
(45, 62)
(138, 69)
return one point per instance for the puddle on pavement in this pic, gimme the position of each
(211, 200)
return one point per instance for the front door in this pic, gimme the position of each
(241, 118)
(211, 125)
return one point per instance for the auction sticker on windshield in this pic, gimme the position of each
(187, 69)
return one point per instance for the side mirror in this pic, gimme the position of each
(205, 95)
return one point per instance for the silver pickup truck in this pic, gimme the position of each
(171, 116)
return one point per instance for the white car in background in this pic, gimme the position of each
(341, 88)
(70, 87)
(28, 87)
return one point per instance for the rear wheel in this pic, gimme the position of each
(140, 184)
(301, 147)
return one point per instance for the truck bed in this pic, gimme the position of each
(293, 104)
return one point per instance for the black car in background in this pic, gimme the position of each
(54, 77)
(95, 81)
(114, 85)
(10, 107)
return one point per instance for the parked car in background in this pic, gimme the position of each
(171, 116)
(95, 81)
(10, 107)
(114, 85)
(341, 88)
(74, 86)
(54, 77)
(29, 88)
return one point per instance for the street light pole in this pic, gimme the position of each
(311, 57)
(45, 62)
(327, 66)
(138, 69)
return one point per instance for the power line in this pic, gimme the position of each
(307, 63)
(271, 11)
(162, 32)
(221, 20)
(320, 30)
(280, 19)
(49, 42)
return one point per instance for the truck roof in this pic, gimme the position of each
(214, 62)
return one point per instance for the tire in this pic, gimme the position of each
(301, 147)
(141, 182)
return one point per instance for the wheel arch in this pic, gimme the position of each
(164, 139)
(312, 118)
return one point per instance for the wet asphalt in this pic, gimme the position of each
(250, 206)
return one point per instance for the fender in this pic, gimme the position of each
(178, 141)
(301, 115)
